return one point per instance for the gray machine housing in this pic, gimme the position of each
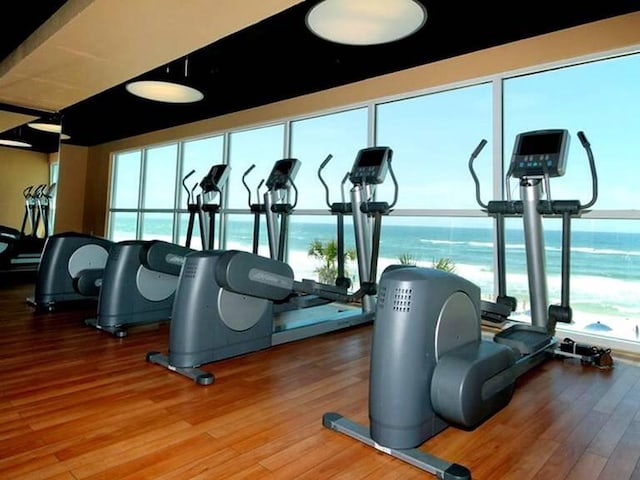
(233, 292)
(69, 258)
(138, 284)
(429, 365)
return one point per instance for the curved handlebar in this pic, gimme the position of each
(39, 190)
(395, 185)
(594, 174)
(326, 188)
(184, 185)
(244, 182)
(475, 153)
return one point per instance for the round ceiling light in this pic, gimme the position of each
(14, 143)
(45, 126)
(161, 91)
(366, 22)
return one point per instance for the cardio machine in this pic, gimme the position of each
(534, 171)
(224, 303)
(21, 250)
(140, 276)
(430, 367)
(70, 270)
(204, 203)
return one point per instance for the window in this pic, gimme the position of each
(312, 140)
(602, 100)
(432, 137)
(260, 147)
(437, 220)
(198, 156)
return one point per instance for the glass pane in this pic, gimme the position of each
(461, 245)
(126, 180)
(318, 234)
(312, 140)
(122, 226)
(157, 226)
(432, 138)
(199, 155)
(160, 177)
(600, 98)
(262, 147)
(240, 233)
(605, 273)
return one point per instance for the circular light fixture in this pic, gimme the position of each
(44, 126)
(366, 22)
(162, 91)
(14, 143)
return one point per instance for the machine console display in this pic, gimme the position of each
(282, 172)
(216, 177)
(370, 166)
(540, 152)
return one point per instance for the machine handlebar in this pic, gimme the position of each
(184, 185)
(594, 174)
(473, 156)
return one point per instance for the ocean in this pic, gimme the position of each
(605, 266)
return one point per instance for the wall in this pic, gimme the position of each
(70, 200)
(603, 36)
(19, 168)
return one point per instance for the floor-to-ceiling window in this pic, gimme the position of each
(601, 99)
(252, 154)
(339, 135)
(198, 156)
(148, 200)
(437, 220)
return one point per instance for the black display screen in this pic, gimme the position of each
(372, 157)
(216, 172)
(541, 144)
(284, 166)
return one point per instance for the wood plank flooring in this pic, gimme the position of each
(77, 403)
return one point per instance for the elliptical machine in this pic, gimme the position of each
(19, 250)
(430, 367)
(140, 276)
(534, 171)
(203, 204)
(70, 270)
(224, 304)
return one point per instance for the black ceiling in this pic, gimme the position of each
(279, 58)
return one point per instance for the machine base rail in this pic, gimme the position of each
(413, 456)
(199, 376)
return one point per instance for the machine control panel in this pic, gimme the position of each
(371, 166)
(540, 152)
(216, 178)
(282, 173)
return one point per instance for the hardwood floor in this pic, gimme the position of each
(77, 403)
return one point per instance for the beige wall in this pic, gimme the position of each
(72, 177)
(619, 32)
(19, 168)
